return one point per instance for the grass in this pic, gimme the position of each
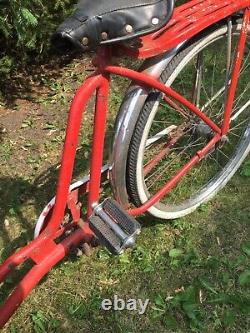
(194, 270)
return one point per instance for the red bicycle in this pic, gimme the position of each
(181, 133)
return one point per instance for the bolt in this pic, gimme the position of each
(85, 41)
(129, 29)
(104, 35)
(155, 21)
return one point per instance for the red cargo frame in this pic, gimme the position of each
(44, 251)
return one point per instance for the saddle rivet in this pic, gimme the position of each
(104, 36)
(155, 21)
(129, 29)
(85, 41)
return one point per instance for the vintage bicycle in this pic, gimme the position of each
(181, 133)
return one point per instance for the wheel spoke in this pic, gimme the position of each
(203, 75)
(198, 80)
(166, 167)
(229, 57)
(160, 135)
(239, 112)
(218, 149)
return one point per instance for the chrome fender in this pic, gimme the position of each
(129, 111)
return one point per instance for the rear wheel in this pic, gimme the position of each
(167, 137)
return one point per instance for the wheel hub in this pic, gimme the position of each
(204, 130)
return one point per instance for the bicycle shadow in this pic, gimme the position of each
(23, 201)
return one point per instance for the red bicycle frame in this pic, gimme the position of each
(44, 251)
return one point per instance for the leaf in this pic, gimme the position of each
(160, 301)
(5, 28)
(219, 299)
(190, 310)
(245, 171)
(175, 253)
(49, 126)
(207, 285)
(245, 246)
(240, 302)
(229, 318)
(39, 320)
(244, 277)
(159, 307)
(189, 295)
(124, 258)
(12, 211)
(6, 64)
(225, 277)
(29, 17)
(171, 322)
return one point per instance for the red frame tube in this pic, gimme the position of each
(174, 181)
(151, 165)
(188, 20)
(34, 276)
(80, 101)
(147, 80)
(102, 99)
(236, 72)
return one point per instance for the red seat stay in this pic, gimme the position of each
(188, 20)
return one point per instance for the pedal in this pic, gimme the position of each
(114, 227)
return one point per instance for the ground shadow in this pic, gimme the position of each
(18, 192)
(27, 81)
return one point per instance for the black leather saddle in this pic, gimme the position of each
(96, 22)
